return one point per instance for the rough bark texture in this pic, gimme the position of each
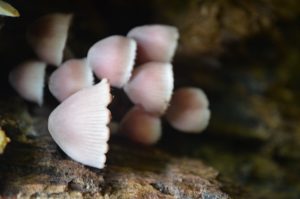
(33, 166)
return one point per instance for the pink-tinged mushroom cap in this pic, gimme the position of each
(113, 58)
(28, 80)
(48, 36)
(151, 86)
(188, 110)
(70, 77)
(141, 126)
(155, 42)
(79, 125)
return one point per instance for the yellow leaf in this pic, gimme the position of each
(3, 140)
(7, 10)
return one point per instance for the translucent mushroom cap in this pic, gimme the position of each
(151, 86)
(48, 35)
(156, 42)
(141, 127)
(79, 125)
(28, 80)
(72, 76)
(113, 58)
(188, 110)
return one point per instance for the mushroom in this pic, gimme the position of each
(151, 86)
(72, 76)
(28, 80)
(48, 36)
(155, 42)
(79, 125)
(113, 58)
(141, 126)
(188, 110)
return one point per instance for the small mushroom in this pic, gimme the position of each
(113, 58)
(155, 42)
(188, 110)
(72, 76)
(79, 125)
(48, 36)
(28, 80)
(141, 126)
(151, 86)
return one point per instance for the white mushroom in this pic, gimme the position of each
(113, 58)
(28, 80)
(188, 110)
(155, 42)
(48, 36)
(79, 125)
(72, 76)
(151, 86)
(141, 126)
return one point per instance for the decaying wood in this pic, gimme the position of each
(35, 167)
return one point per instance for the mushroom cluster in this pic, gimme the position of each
(138, 64)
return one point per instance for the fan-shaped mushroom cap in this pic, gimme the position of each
(79, 125)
